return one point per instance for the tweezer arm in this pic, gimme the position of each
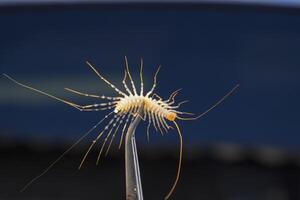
(133, 179)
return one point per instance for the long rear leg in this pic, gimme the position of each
(74, 105)
(44, 93)
(91, 95)
(81, 108)
(96, 105)
(64, 153)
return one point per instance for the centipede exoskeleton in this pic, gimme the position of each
(123, 109)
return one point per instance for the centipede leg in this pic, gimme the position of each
(94, 141)
(106, 138)
(114, 134)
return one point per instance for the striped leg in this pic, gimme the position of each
(154, 82)
(96, 109)
(91, 95)
(141, 77)
(114, 135)
(64, 153)
(148, 133)
(106, 138)
(158, 124)
(97, 138)
(129, 75)
(163, 123)
(105, 80)
(153, 120)
(123, 130)
(124, 83)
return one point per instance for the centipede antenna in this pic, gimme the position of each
(129, 75)
(141, 76)
(154, 81)
(179, 162)
(104, 79)
(64, 153)
(212, 107)
(173, 98)
(178, 105)
(182, 102)
(182, 112)
(172, 94)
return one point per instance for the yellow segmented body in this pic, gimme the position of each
(129, 103)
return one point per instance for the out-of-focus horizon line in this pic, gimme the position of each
(12, 94)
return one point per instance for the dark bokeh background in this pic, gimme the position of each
(247, 148)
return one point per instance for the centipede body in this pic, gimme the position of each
(123, 110)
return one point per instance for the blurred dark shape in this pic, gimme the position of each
(206, 175)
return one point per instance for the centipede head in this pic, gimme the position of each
(171, 116)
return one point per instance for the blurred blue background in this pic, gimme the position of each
(206, 49)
